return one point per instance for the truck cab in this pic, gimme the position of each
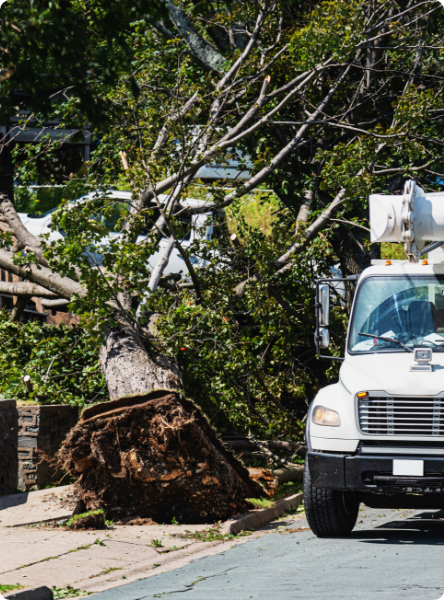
(377, 435)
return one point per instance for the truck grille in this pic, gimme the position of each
(401, 416)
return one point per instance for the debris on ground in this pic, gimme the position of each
(266, 478)
(259, 450)
(212, 533)
(135, 521)
(155, 456)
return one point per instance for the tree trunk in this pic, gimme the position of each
(130, 366)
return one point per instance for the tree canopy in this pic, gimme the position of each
(320, 102)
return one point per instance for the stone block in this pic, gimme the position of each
(8, 447)
(41, 431)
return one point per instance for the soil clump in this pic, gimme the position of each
(95, 519)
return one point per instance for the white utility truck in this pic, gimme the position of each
(377, 436)
(199, 227)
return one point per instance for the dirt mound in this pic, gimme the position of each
(155, 456)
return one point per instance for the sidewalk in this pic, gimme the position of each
(93, 561)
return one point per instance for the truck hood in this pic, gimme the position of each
(390, 373)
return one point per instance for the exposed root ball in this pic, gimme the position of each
(155, 456)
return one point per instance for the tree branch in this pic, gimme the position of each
(61, 286)
(201, 50)
(24, 288)
(24, 239)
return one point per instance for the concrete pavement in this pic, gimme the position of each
(392, 555)
(37, 507)
(37, 554)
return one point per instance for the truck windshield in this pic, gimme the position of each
(407, 309)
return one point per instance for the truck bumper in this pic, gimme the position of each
(373, 474)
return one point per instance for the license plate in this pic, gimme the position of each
(408, 467)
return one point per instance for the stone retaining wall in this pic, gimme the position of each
(8, 447)
(41, 430)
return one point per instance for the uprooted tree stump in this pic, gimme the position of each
(156, 456)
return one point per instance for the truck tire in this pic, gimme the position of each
(329, 513)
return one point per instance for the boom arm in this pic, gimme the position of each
(413, 218)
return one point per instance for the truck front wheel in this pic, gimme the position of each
(329, 513)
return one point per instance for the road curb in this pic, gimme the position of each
(258, 518)
(38, 593)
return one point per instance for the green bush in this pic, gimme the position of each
(61, 360)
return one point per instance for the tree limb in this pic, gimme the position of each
(161, 264)
(201, 50)
(55, 303)
(61, 286)
(24, 239)
(23, 288)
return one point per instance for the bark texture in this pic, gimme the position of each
(129, 369)
(155, 456)
(23, 288)
(24, 240)
(50, 280)
(203, 52)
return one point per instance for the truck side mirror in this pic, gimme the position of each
(322, 334)
(324, 338)
(324, 305)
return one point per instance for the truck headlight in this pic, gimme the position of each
(325, 416)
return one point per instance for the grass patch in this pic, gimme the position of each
(91, 513)
(169, 550)
(106, 571)
(11, 588)
(68, 592)
(99, 542)
(81, 548)
(87, 546)
(261, 502)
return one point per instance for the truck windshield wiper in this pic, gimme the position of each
(386, 339)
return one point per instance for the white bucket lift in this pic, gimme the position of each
(414, 219)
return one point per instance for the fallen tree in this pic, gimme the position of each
(156, 456)
(327, 111)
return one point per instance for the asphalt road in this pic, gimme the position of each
(390, 555)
